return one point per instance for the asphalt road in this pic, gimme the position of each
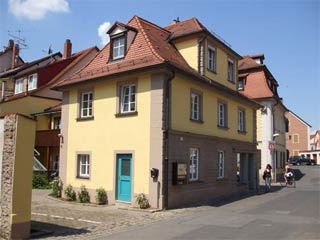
(283, 213)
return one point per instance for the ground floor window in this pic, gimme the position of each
(83, 162)
(221, 164)
(194, 164)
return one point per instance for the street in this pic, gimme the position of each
(284, 213)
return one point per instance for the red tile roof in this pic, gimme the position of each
(150, 48)
(247, 63)
(184, 28)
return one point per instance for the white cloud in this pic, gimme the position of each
(36, 9)
(102, 33)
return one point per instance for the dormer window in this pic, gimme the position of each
(241, 84)
(121, 37)
(32, 81)
(118, 47)
(18, 87)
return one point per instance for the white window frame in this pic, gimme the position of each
(118, 47)
(86, 105)
(212, 58)
(231, 70)
(194, 164)
(32, 81)
(241, 120)
(128, 98)
(222, 121)
(83, 165)
(195, 106)
(221, 157)
(18, 86)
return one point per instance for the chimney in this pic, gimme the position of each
(67, 49)
(10, 43)
(15, 56)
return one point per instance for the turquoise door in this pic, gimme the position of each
(124, 177)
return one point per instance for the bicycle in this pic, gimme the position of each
(289, 181)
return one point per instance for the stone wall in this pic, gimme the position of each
(7, 174)
(16, 176)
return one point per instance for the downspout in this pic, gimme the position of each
(3, 90)
(166, 128)
(201, 56)
(273, 139)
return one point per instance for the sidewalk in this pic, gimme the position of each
(56, 219)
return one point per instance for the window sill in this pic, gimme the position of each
(242, 132)
(223, 127)
(79, 119)
(221, 179)
(195, 182)
(212, 71)
(83, 178)
(128, 114)
(231, 81)
(196, 121)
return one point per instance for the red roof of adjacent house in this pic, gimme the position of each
(184, 28)
(257, 79)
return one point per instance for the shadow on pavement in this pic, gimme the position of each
(39, 230)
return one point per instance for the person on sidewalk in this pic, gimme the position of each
(267, 177)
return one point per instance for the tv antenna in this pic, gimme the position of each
(16, 35)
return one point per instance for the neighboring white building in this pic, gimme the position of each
(257, 83)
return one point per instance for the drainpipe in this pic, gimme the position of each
(201, 55)
(166, 128)
(273, 139)
(3, 85)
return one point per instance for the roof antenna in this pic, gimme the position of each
(18, 39)
(176, 20)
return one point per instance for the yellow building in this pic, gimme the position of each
(157, 112)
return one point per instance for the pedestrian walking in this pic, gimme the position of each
(267, 177)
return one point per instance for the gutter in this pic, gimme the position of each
(166, 127)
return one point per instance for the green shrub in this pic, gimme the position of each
(56, 186)
(142, 201)
(40, 181)
(70, 193)
(83, 195)
(101, 197)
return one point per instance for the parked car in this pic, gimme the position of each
(300, 160)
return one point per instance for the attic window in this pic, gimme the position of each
(118, 47)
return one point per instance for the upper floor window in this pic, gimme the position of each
(241, 84)
(221, 164)
(295, 138)
(32, 81)
(128, 98)
(212, 59)
(86, 104)
(118, 47)
(56, 122)
(195, 105)
(18, 87)
(231, 71)
(241, 120)
(222, 115)
(83, 165)
(194, 164)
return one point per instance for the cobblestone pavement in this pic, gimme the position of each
(55, 219)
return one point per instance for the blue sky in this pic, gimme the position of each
(286, 31)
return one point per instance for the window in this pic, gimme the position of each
(221, 164)
(86, 104)
(56, 122)
(18, 88)
(83, 165)
(128, 98)
(32, 81)
(118, 45)
(295, 138)
(231, 71)
(241, 120)
(241, 84)
(194, 164)
(222, 115)
(212, 59)
(195, 106)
